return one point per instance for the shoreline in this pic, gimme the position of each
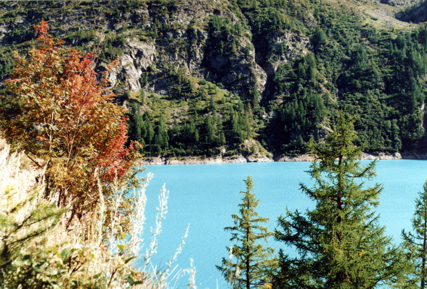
(264, 159)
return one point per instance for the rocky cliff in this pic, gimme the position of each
(415, 13)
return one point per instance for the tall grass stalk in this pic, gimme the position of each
(103, 254)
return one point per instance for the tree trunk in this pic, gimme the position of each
(248, 279)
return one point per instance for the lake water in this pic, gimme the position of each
(205, 196)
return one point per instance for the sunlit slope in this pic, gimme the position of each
(206, 78)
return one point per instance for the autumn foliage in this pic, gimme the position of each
(61, 113)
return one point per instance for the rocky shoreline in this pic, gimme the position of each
(263, 159)
(203, 161)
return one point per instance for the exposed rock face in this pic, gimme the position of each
(261, 79)
(132, 75)
(140, 55)
(381, 156)
(399, 3)
(143, 53)
(288, 46)
(184, 45)
(416, 14)
(190, 58)
(301, 158)
(238, 70)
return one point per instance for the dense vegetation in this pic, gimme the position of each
(72, 206)
(205, 94)
(339, 243)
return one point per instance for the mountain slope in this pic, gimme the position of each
(416, 13)
(201, 77)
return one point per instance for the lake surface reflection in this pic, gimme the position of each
(205, 196)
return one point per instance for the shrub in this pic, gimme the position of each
(57, 111)
(37, 250)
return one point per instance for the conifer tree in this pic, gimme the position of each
(222, 139)
(250, 270)
(196, 135)
(340, 242)
(236, 128)
(416, 242)
(210, 130)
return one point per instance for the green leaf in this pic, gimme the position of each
(130, 280)
(129, 259)
(121, 247)
(65, 254)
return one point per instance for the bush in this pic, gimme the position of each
(38, 251)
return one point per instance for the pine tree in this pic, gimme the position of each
(250, 270)
(417, 242)
(235, 128)
(150, 135)
(301, 71)
(340, 242)
(196, 135)
(248, 133)
(255, 100)
(210, 130)
(222, 139)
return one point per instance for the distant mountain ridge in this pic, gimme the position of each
(245, 77)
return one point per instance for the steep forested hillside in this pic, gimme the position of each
(232, 77)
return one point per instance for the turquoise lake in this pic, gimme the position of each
(205, 196)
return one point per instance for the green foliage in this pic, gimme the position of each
(26, 222)
(221, 30)
(43, 267)
(340, 243)
(253, 261)
(202, 131)
(416, 241)
(20, 223)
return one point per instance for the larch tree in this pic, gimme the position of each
(340, 243)
(253, 260)
(416, 242)
(62, 115)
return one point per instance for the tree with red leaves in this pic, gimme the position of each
(58, 112)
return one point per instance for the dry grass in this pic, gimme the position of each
(109, 252)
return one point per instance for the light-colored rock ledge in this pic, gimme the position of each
(252, 159)
(204, 161)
